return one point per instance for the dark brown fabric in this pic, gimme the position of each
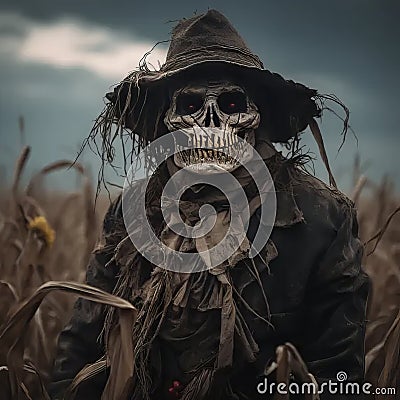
(310, 272)
(207, 37)
(185, 300)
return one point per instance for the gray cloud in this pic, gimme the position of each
(345, 47)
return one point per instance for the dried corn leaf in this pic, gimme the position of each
(87, 372)
(9, 298)
(14, 332)
(88, 197)
(289, 363)
(389, 376)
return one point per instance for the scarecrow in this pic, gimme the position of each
(212, 334)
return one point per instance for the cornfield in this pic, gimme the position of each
(45, 242)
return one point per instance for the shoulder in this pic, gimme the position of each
(113, 223)
(113, 229)
(114, 212)
(113, 215)
(321, 203)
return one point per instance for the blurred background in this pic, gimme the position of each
(58, 59)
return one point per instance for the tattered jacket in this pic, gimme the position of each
(310, 271)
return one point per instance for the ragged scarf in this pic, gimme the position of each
(170, 303)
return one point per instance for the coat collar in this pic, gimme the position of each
(288, 212)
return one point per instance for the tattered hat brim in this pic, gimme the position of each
(202, 46)
(207, 46)
(289, 105)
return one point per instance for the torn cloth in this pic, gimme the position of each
(195, 315)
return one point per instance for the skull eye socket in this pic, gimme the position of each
(232, 102)
(188, 103)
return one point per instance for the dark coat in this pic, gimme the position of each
(316, 288)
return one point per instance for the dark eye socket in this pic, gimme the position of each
(188, 103)
(232, 102)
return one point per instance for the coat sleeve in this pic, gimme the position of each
(79, 342)
(336, 309)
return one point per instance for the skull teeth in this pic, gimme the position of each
(205, 157)
(211, 148)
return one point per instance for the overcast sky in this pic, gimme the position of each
(58, 59)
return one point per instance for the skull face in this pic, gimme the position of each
(221, 106)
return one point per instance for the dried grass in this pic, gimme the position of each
(33, 305)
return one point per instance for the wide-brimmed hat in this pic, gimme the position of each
(203, 45)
